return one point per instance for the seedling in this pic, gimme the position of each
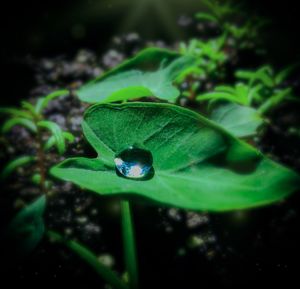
(231, 19)
(31, 117)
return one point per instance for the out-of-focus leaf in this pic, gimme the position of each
(57, 134)
(206, 17)
(263, 75)
(14, 164)
(274, 100)
(27, 123)
(284, 73)
(27, 228)
(52, 140)
(44, 101)
(241, 121)
(16, 112)
(149, 73)
(28, 106)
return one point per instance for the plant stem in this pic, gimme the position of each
(90, 258)
(130, 255)
(41, 162)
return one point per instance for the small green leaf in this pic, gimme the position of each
(217, 96)
(240, 121)
(28, 106)
(27, 123)
(263, 75)
(149, 73)
(16, 112)
(240, 93)
(27, 228)
(52, 140)
(57, 134)
(282, 75)
(206, 17)
(16, 163)
(197, 164)
(274, 100)
(44, 101)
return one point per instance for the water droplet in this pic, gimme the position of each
(134, 163)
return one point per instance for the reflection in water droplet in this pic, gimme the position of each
(134, 163)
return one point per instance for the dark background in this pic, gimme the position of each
(51, 28)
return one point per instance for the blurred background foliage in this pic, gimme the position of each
(47, 28)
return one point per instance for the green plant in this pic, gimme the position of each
(32, 118)
(271, 90)
(231, 18)
(240, 93)
(261, 88)
(209, 56)
(218, 11)
(185, 172)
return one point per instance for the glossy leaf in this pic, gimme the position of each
(241, 121)
(197, 164)
(26, 230)
(149, 73)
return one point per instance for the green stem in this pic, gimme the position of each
(41, 162)
(90, 258)
(129, 245)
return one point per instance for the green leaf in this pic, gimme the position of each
(206, 16)
(27, 228)
(88, 256)
(282, 75)
(44, 101)
(51, 142)
(16, 163)
(274, 100)
(29, 107)
(27, 123)
(16, 112)
(240, 121)
(57, 134)
(217, 96)
(149, 73)
(197, 164)
(240, 93)
(263, 75)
